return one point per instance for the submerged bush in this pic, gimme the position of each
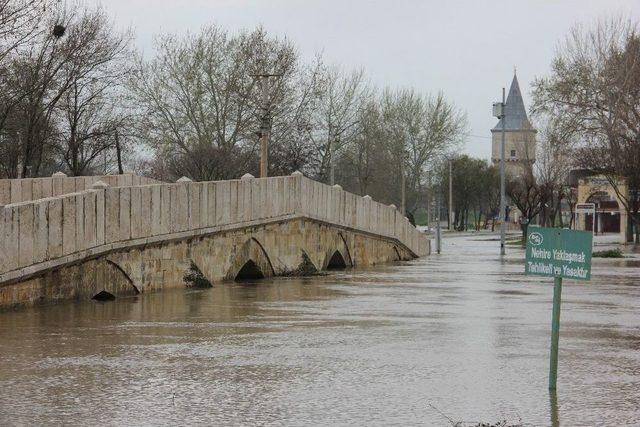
(610, 253)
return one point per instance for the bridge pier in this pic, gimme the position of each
(277, 249)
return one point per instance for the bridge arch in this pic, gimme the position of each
(251, 262)
(338, 256)
(397, 253)
(111, 281)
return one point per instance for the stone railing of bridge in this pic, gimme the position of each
(47, 233)
(27, 189)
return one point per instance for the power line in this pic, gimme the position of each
(477, 136)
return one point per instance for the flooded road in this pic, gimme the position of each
(462, 335)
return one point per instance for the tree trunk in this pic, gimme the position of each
(524, 228)
(119, 153)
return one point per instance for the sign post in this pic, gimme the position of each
(558, 253)
(555, 332)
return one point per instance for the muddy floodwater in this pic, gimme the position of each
(462, 335)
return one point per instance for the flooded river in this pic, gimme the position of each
(463, 335)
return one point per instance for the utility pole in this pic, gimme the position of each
(19, 162)
(503, 224)
(500, 111)
(118, 153)
(438, 231)
(450, 195)
(402, 190)
(265, 125)
(265, 128)
(332, 165)
(429, 196)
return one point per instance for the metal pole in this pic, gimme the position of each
(438, 235)
(402, 190)
(555, 332)
(450, 196)
(264, 140)
(429, 197)
(503, 225)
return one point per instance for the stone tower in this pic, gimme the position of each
(520, 136)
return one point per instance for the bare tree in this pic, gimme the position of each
(200, 97)
(92, 111)
(554, 160)
(40, 76)
(361, 159)
(417, 129)
(595, 86)
(525, 193)
(194, 95)
(20, 21)
(341, 103)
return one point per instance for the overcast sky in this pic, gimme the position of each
(466, 48)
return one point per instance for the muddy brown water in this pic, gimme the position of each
(463, 335)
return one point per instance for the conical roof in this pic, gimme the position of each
(515, 112)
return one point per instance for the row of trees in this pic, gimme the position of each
(588, 114)
(591, 102)
(203, 102)
(75, 96)
(61, 85)
(475, 187)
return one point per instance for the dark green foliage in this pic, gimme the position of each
(609, 253)
(194, 278)
(305, 268)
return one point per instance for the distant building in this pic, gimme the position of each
(611, 217)
(520, 136)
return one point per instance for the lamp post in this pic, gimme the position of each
(499, 111)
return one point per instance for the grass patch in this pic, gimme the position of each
(518, 242)
(610, 253)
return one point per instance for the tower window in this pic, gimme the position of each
(513, 153)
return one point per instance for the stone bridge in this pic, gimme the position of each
(106, 237)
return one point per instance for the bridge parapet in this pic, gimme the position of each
(338, 207)
(46, 233)
(27, 189)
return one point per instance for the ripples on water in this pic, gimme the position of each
(463, 334)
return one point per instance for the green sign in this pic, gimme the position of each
(556, 252)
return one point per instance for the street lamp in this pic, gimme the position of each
(499, 111)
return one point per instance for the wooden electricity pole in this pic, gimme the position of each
(265, 123)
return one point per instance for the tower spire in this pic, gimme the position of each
(515, 111)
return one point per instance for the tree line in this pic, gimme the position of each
(590, 104)
(587, 111)
(76, 96)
